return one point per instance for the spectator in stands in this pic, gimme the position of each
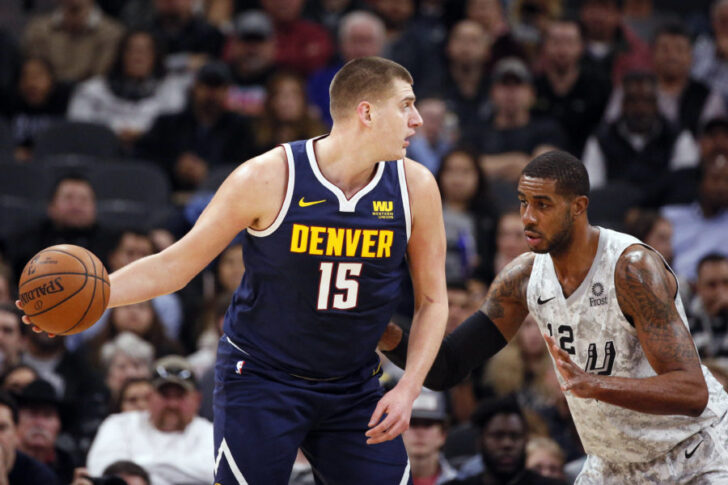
(77, 38)
(490, 14)
(529, 20)
(187, 39)
(545, 457)
(7, 284)
(301, 45)
(611, 48)
(710, 54)
(682, 99)
(512, 135)
(287, 115)
(15, 378)
(700, 227)
(17, 468)
(504, 432)
(463, 82)
(509, 241)
(251, 55)
(709, 308)
(360, 34)
(425, 438)
(134, 395)
(169, 440)
(468, 213)
(459, 303)
(125, 357)
(12, 336)
(71, 219)
(640, 147)
(574, 96)
(407, 42)
(37, 101)
(651, 228)
(437, 135)
(128, 471)
(39, 429)
(133, 93)
(187, 144)
(140, 319)
(643, 19)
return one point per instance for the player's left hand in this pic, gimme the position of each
(578, 382)
(396, 407)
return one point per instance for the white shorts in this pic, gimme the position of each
(701, 459)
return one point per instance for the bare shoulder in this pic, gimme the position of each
(513, 279)
(269, 167)
(641, 275)
(419, 178)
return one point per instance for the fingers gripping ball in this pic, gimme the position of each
(64, 289)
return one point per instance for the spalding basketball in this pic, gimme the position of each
(64, 289)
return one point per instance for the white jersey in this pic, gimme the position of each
(591, 327)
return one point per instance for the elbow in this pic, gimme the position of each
(699, 401)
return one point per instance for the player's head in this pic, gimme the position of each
(73, 202)
(553, 191)
(503, 436)
(377, 94)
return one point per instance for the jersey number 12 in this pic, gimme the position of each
(348, 296)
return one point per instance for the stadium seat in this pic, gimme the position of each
(503, 194)
(131, 180)
(75, 137)
(6, 143)
(24, 180)
(18, 214)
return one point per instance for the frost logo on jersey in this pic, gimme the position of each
(383, 209)
(239, 367)
(597, 291)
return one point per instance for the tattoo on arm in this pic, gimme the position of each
(646, 293)
(506, 302)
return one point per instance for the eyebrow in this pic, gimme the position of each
(539, 197)
(409, 98)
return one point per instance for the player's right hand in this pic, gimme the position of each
(27, 321)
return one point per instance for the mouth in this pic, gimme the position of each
(532, 237)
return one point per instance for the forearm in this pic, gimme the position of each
(428, 328)
(472, 343)
(677, 392)
(145, 279)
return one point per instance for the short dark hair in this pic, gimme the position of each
(361, 79)
(711, 258)
(70, 176)
(490, 408)
(640, 222)
(127, 468)
(569, 173)
(8, 401)
(671, 27)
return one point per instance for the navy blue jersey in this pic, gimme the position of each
(323, 280)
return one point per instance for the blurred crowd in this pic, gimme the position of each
(119, 119)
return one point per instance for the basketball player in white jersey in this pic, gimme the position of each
(645, 408)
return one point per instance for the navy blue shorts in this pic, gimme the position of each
(263, 415)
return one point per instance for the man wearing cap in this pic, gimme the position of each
(425, 437)
(252, 56)
(512, 136)
(17, 468)
(39, 428)
(206, 134)
(169, 440)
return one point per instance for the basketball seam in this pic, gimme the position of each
(91, 301)
(63, 273)
(69, 296)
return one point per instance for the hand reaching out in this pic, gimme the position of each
(576, 381)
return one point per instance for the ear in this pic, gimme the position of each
(364, 112)
(580, 204)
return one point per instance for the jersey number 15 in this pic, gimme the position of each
(348, 296)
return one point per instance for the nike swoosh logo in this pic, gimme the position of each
(303, 203)
(691, 453)
(541, 302)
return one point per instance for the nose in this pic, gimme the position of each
(527, 216)
(415, 119)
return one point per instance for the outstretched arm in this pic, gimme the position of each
(481, 336)
(646, 294)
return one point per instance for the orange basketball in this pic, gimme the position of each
(64, 289)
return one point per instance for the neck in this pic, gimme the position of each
(425, 466)
(573, 262)
(40, 453)
(339, 166)
(43, 354)
(562, 79)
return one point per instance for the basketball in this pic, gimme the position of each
(64, 289)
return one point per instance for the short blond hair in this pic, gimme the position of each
(363, 79)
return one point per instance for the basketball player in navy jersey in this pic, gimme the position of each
(330, 232)
(645, 408)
